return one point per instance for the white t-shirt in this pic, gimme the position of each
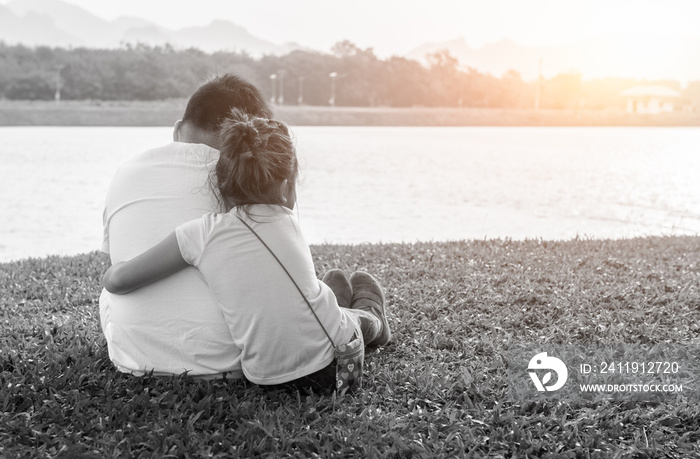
(270, 322)
(173, 325)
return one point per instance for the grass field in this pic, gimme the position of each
(164, 113)
(440, 390)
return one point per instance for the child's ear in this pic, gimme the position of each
(288, 194)
(176, 130)
(284, 190)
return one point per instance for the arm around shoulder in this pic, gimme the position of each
(113, 280)
(154, 264)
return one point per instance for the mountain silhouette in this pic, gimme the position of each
(31, 29)
(59, 23)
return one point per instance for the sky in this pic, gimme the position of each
(396, 27)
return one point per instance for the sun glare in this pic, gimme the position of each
(624, 38)
(644, 56)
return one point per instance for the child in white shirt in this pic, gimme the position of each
(280, 337)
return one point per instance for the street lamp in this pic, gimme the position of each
(538, 90)
(273, 98)
(280, 74)
(333, 76)
(300, 99)
(57, 95)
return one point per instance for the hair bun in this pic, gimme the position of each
(247, 133)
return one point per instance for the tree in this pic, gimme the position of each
(359, 74)
(445, 81)
(363, 79)
(34, 86)
(406, 83)
(345, 48)
(513, 92)
(563, 91)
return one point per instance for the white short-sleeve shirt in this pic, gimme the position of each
(174, 325)
(270, 322)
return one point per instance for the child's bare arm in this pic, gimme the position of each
(154, 264)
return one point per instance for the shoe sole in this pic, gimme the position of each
(385, 336)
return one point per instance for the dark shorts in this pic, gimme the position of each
(322, 381)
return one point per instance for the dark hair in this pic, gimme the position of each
(212, 102)
(256, 156)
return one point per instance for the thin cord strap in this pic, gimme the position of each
(291, 278)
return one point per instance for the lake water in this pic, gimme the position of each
(386, 184)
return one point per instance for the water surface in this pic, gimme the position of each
(386, 184)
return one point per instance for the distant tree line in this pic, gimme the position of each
(348, 76)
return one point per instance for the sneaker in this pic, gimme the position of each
(339, 282)
(369, 296)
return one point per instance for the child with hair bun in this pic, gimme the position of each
(268, 314)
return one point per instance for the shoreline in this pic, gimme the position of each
(386, 245)
(166, 112)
